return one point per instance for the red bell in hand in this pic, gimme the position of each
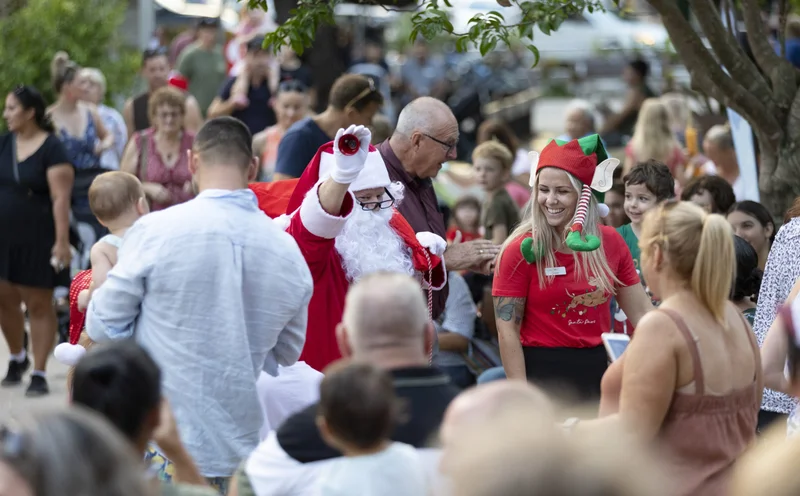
(349, 144)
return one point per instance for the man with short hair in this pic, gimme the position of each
(385, 324)
(155, 71)
(426, 135)
(719, 148)
(354, 100)
(216, 292)
(580, 120)
(203, 64)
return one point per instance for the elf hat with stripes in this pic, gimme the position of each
(587, 161)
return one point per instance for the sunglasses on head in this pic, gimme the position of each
(366, 91)
(292, 85)
(154, 52)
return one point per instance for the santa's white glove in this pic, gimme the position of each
(349, 166)
(433, 243)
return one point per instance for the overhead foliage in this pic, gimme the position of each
(88, 30)
(431, 19)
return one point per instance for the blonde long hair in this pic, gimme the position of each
(588, 264)
(652, 137)
(698, 247)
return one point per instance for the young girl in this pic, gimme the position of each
(748, 279)
(290, 104)
(553, 283)
(466, 220)
(654, 140)
(753, 222)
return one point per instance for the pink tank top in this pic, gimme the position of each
(705, 434)
(173, 178)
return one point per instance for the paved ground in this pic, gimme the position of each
(13, 401)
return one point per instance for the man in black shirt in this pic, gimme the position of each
(247, 96)
(385, 324)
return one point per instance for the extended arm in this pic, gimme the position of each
(60, 179)
(508, 316)
(115, 306)
(634, 302)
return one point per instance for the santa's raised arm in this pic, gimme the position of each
(343, 218)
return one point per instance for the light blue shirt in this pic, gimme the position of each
(114, 124)
(458, 317)
(215, 291)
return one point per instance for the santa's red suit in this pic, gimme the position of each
(316, 231)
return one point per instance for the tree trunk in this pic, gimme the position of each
(779, 178)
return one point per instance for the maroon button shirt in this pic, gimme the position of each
(419, 207)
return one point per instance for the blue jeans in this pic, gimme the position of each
(492, 374)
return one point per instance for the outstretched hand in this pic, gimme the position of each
(349, 166)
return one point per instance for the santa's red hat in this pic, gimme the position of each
(69, 353)
(374, 174)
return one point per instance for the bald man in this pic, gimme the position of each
(482, 405)
(385, 324)
(425, 137)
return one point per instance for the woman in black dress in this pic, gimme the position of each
(35, 188)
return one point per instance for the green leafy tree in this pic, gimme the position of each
(88, 30)
(765, 91)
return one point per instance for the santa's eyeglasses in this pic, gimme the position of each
(383, 204)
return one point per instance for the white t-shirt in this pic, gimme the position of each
(294, 388)
(395, 471)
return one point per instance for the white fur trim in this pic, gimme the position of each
(603, 178)
(432, 242)
(603, 209)
(283, 221)
(69, 354)
(373, 175)
(319, 222)
(439, 269)
(534, 158)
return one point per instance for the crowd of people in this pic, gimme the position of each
(268, 301)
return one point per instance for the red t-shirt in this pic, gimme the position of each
(465, 235)
(567, 312)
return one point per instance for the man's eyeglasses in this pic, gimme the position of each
(366, 91)
(383, 204)
(448, 146)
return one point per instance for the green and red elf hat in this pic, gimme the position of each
(586, 160)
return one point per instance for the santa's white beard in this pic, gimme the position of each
(368, 244)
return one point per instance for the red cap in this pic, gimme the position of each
(178, 81)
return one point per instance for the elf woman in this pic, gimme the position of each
(558, 270)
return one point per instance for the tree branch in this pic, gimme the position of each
(779, 70)
(731, 54)
(706, 70)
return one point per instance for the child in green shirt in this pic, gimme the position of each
(646, 185)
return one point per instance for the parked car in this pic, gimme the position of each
(579, 37)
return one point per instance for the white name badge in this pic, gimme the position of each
(555, 271)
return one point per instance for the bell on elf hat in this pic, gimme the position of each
(587, 161)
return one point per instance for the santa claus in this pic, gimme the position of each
(341, 215)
